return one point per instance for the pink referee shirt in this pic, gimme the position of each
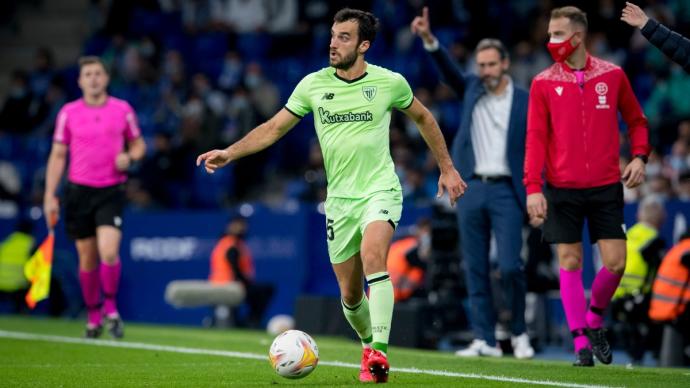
(95, 136)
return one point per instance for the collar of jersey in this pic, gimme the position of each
(588, 65)
(349, 81)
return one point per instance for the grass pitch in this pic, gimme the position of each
(38, 352)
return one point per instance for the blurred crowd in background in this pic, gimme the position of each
(202, 73)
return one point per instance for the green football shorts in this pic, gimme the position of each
(347, 218)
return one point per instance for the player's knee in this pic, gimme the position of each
(373, 261)
(570, 260)
(351, 297)
(87, 262)
(110, 257)
(616, 266)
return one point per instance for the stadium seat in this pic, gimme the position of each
(254, 46)
(96, 45)
(145, 22)
(210, 46)
(209, 190)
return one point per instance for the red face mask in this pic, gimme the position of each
(562, 50)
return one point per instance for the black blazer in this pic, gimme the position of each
(674, 45)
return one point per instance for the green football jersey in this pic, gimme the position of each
(352, 120)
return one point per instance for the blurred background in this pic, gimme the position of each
(202, 73)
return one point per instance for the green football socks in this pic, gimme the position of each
(358, 316)
(381, 307)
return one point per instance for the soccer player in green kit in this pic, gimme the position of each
(352, 101)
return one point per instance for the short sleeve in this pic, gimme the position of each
(62, 133)
(402, 95)
(132, 130)
(299, 103)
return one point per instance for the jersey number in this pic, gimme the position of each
(329, 229)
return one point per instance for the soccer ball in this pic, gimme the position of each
(294, 354)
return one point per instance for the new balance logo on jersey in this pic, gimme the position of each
(328, 118)
(328, 96)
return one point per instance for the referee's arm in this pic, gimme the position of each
(54, 170)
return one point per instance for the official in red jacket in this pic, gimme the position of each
(573, 134)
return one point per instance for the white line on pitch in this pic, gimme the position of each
(253, 356)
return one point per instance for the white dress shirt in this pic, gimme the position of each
(489, 132)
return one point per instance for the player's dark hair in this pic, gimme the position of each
(90, 60)
(576, 15)
(495, 44)
(367, 23)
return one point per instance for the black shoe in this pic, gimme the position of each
(584, 358)
(116, 327)
(600, 345)
(93, 332)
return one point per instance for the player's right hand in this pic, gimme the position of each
(536, 222)
(536, 207)
(421, 27)
(213, 160)
(51, 210)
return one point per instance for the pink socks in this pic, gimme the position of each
(575, 305)
(110, 280)
(107, 278)
(605, 284)
(91, 290)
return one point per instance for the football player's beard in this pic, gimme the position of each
(492, 83)
(346, 62)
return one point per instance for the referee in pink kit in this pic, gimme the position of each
(94, 130)
(573, 142)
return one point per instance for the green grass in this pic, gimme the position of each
(45, 363)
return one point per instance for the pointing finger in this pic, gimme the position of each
(200, 158)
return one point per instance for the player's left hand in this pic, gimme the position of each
(123, 161)
(634, 173)
(634, 15)
(213, 160)
(451, 182)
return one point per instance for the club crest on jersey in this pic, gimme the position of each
(601, 88)
(369, 92)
